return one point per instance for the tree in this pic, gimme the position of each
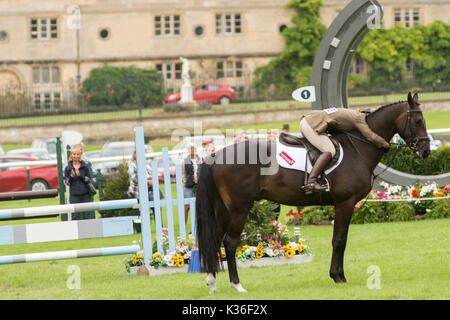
(388, 50)
(123, 85)
(293, 66)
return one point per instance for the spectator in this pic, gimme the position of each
(272, 135)
(133, 189)
(189, 167)
(242, 137)
(76, 176)
(285, 128)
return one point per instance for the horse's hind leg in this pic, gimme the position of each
(231, 241)
(223, 221)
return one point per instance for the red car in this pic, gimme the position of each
(15, 178)
(215, 93)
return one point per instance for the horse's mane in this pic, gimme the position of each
(384, 107)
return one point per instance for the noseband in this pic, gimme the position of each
(414, 140)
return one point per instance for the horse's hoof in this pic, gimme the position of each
(211, 283)
(238, 287)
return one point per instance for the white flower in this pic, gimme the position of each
(167, 257)
(187, 255)
(170, 263)
(269, 252)
(253, 249)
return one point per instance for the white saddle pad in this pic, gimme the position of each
(294, 158)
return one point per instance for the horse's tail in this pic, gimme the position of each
(206, 224)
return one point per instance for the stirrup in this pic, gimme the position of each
(313, 187)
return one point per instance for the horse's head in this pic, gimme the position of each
(412, 129)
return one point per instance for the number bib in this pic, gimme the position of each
(330, 110)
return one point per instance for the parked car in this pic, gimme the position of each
(15, 179)
(115, 149)
(46, 143)
(209, 92)
(38, 153)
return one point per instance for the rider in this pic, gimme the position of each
(314, 126)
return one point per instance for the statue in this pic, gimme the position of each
(186, 88)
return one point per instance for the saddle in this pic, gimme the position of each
(312, 152)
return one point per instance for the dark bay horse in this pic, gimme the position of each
(232, 180)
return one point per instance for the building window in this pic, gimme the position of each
(229, 69)
(104, 34)
(158, 26)
(407, 19)
(178, 69)
(218, 23)
(397, 16)
(44, 28)
(167, 25)
(3, 36)
(169, 70)
(228, 23)
(416, 16)
(45, 74)
(47, 100)
(410, 17)
(220, 73)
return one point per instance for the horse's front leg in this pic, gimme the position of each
(343, 214)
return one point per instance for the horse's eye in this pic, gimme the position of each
(418, 122)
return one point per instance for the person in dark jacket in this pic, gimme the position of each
(76, 175)
(189, 168)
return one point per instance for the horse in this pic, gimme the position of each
(232, 180)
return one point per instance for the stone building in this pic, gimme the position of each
(46, 48)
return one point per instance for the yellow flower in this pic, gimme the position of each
(259, 247)
(156, 254)
(300, 242)
(300, 248)
(140, 256)
(180, 263)
(239, 253)
(259, 254)
(245, 247)
(290, 253)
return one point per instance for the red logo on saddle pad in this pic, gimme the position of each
(286, 158)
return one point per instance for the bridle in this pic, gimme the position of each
(414, 140)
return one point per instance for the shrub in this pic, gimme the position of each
(122, 85)
(400, 211)
(316, 214)
(176, 107)
(259, 221)
(369, 212)
(437, 162)
(116, 187)
(439, 210)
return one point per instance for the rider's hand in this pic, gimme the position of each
(386, 146)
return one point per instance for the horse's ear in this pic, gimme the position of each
(416, 99)
(410, 100)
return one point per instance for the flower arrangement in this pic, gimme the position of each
(134, 260)
(276, 244)
(271, 249)
(179, 257)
